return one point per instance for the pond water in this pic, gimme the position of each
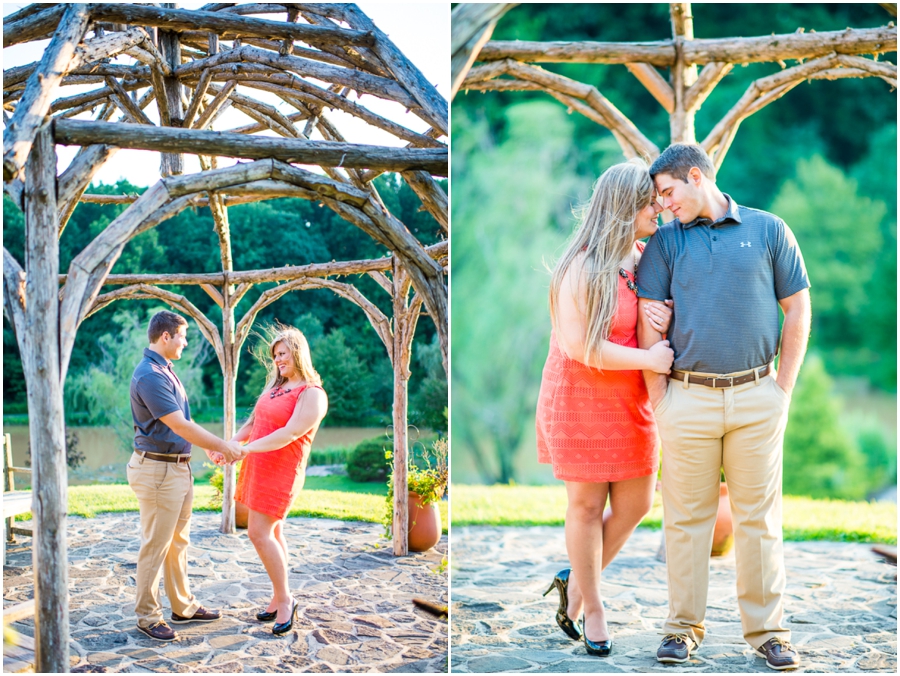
(104, 457)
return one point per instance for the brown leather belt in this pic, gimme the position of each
(166, 457)
(721, 381)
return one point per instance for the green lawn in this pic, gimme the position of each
(332, 497)
(804, 518)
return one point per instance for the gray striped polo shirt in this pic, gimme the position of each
(726, 278)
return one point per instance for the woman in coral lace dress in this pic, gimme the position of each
(594, 421)
(279, 435)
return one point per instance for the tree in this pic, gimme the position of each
(820, 458)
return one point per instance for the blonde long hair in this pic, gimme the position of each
(604, 237)
(296, 344)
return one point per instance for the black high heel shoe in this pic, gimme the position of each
(597, 648)
(266, 616)
(561, 582)
(280, 628)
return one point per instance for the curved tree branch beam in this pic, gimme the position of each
(655, 83)
(357, 80)
(432, 106)
(14, 295)
(301, 151)
(42, 85)
(376, 318)
(143, 291)
(756, 90)
(72, 183)
(434, 199)
(251, 277)
(225, 25)
(611, 115)
(709, 77)
(700, 51)
(471, 27)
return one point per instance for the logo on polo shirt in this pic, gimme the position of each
(743, 244)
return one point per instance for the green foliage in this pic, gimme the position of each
(345, 378)
(264, 235)
(368, 462)
(511, 212)
(820, 458)
(103, 388)
(839, 232)
(428, 404)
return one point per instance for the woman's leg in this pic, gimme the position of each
(584, 543)
(629, 502)
(261, 530)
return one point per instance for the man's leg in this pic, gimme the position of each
(690, 425)
(160, 506)
(176, 578)
(757, 417)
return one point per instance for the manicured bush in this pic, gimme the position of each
(367, 462)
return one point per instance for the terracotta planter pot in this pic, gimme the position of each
(424, 524)
(723, 535)
(241, 514)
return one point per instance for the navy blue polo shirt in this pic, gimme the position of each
(155, 392)
(726, 278)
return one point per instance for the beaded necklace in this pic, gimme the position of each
(632, 286)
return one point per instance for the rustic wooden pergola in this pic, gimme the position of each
(506, 66)
(193, 65)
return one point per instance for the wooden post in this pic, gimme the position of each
(170, 47)
(229, 376)
(45, 408)
(681, 121)
(9, 483)
(401, 379)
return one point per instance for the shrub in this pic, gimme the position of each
(367, 462)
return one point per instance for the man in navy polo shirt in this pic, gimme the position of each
(728, 269)
(160, 475)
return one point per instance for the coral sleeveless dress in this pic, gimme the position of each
(595, 426)
(270, 481)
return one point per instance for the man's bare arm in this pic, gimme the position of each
(647, 337)
(196, 435)
(794, 337)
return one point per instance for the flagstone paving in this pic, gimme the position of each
(356, 612)
(840, 604)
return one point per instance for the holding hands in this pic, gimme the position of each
(233, 453)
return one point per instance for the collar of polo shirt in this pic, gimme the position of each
(731, 215)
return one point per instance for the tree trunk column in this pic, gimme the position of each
(400, 361)
(45, 409)
(681, 121)
(170, 48)
(229, 377)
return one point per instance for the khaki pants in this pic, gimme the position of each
(742, 430)
(165, 493)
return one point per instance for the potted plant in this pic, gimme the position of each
(426, 486)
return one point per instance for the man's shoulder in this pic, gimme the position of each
(148, 372)
(758, 215)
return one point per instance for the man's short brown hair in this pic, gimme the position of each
(164, 322)
(678, 158)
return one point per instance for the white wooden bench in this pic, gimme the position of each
(14, 502)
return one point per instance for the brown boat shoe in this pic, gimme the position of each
(779, 654)
(200, 615)
(159, 632)
(675, 649)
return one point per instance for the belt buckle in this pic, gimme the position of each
(730, 380)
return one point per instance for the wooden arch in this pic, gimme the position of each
(192, 66)
(507, 66)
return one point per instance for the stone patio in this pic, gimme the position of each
(356, 611)
(841, 606)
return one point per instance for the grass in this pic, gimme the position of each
(321, 497)
(804, 518)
